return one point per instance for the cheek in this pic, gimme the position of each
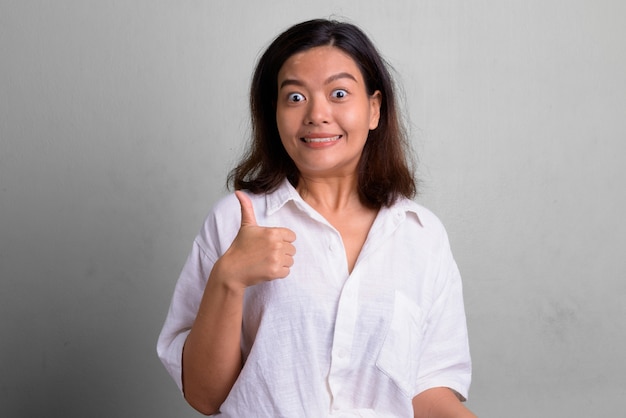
(357, 120)
(285, 123)
(285, 131)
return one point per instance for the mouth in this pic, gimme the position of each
(310, 140)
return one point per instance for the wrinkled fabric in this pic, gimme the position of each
(326, 342)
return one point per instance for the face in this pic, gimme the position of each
(323, 112)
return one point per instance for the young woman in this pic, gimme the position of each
(319, 288)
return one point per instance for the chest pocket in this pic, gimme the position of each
(400, 352)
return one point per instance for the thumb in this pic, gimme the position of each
(247, 210)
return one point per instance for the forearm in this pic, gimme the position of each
(439, 403)
(212, 353)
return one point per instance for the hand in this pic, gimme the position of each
(258, 253)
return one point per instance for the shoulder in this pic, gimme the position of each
(225, 215)
(424, 216)
(220, 225)
(422, 226)
(227, 208)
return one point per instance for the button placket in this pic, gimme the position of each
(345, 323)
(335, 244)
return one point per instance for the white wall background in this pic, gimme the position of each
(120, 119)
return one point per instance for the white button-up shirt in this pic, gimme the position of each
(326, 343)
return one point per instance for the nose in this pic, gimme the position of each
(318, 111)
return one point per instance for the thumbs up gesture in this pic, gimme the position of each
(257, 253)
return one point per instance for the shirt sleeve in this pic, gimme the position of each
(445, 359)
(183, 310)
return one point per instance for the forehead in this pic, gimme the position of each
(319, 63)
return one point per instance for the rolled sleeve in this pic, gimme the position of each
(183, 310)
(445, 360)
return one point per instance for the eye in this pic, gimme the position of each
(295, 97)
(339, 93)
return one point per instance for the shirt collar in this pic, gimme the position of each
(403, 206)
(283, 194)
(286, 192)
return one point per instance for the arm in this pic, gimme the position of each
(211, 355)
(211, 360)
(446, 358)
(439, 403)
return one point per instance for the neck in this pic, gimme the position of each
(330, 194)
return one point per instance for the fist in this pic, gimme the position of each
(258, 253)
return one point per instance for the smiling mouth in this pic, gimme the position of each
(320, 140)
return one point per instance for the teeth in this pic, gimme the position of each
(316, 140)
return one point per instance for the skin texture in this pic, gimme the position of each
(439, 403)
(322, 95)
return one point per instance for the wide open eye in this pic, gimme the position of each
(339, 94)
(295, 97)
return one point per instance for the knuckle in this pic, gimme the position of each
(273, 260)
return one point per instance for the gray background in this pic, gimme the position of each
(120, 119)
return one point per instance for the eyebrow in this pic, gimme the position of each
(335, 77)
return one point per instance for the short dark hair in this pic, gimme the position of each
(383, 170)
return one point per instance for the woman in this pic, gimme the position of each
(367, 318)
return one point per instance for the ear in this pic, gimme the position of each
(375, 102)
